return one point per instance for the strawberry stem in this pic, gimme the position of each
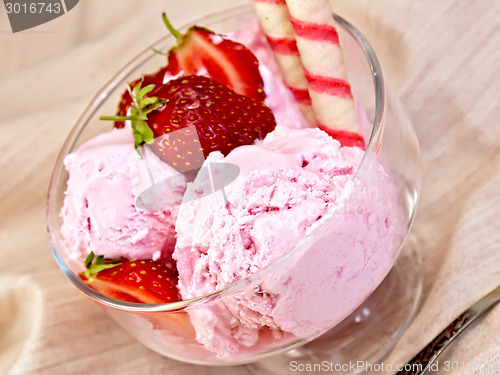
(170, 28)
(159, 52)
(140, 107)
(116, 118)
(94, 266)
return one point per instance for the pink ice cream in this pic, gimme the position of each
(101, 211)
(293, 183)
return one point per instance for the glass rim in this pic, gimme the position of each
(111, 85)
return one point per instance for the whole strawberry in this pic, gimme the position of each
(187, 118)
(222, 119)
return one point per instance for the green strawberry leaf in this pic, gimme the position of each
(139, 110)
(143, 92)
(89, 259)
(94, 266)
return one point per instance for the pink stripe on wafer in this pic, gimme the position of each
(319, 47)
(314, 31)
(300, 94)
(346, 138)
(284, 46)
(329, 85)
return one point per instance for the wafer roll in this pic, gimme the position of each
(275, 21)
(323, 64)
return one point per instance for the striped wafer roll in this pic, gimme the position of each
(323, 64)
(275, 21)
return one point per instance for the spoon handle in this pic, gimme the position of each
(422, 362)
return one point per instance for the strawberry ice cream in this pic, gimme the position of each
(103, 211)
(293, 183)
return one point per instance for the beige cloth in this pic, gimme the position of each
(442, 57)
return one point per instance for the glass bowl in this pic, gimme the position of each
(207, 329)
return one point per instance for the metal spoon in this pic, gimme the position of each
(423, 361)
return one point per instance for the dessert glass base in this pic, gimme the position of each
(369, 334)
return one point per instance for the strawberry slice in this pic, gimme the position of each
(141, 281)
(201, 50)
(227, 62)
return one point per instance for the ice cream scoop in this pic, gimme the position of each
(102, 212)
(290, 184)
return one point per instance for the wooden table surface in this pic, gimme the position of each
(443, 60)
